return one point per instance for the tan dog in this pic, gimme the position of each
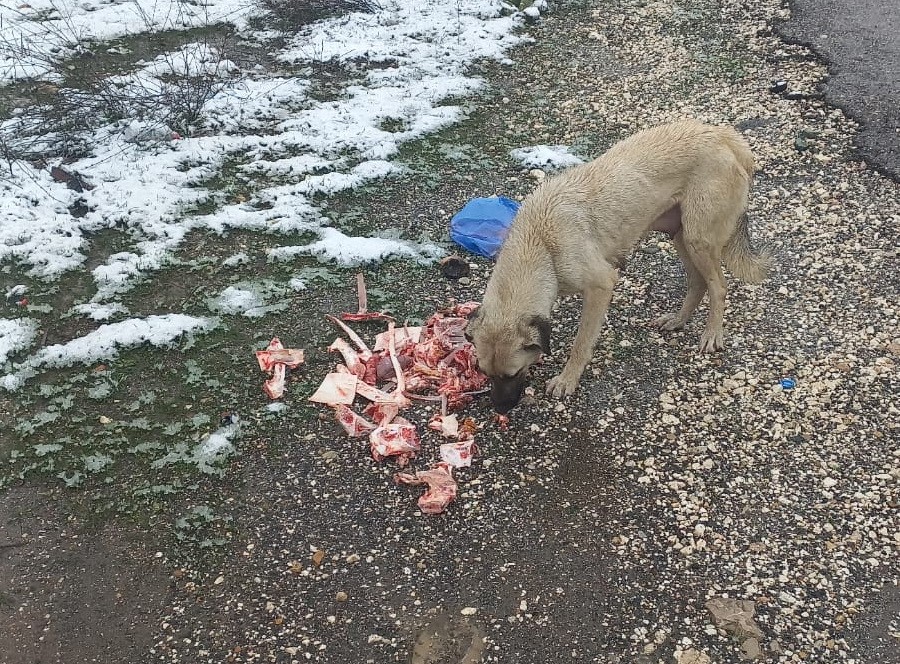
(576, 229)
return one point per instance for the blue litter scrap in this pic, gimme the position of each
(481, 226)
(788, 383)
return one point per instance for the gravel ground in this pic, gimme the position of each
(598, 529)
(601, 529)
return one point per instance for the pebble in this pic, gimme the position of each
(691, 656)
(750, 649)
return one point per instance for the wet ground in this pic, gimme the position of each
(860, 41)
(593, 530)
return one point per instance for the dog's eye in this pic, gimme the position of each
(468, 337)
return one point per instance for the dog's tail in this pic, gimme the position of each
(746, 264)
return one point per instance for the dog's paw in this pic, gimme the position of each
(562, 386)
(712, 341)
(668, 322)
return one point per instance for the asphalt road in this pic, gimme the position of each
(860, 41)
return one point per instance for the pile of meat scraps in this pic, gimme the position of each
(433, 362)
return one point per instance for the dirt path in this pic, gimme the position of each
(70, 591)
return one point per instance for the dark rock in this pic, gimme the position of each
(454, 267)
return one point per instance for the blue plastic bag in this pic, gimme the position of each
(481, 226)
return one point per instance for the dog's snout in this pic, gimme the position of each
(506, 393)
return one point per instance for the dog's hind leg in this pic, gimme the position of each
(696, 289)
(597, 297)
(707, 260)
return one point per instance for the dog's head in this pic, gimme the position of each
(506, 349)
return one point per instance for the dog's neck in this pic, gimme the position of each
(524, 284)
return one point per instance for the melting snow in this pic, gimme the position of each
(145, 178)
(16, 334)
(550, 157)
(105, 342)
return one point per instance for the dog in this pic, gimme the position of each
(574, 232)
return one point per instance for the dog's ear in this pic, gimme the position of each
(473, 317)
(542, 325)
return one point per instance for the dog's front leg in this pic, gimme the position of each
(596, 302)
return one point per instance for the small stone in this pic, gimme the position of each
(353, 558)
(469, 611)
(734, 616)
(464, 281)
(341, 596)
(454, 267)
(537, 174)
(750, 649)
(829, 482)
(691, 656)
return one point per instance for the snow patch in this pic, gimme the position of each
(105, 343)
(548, 157)
(210, 454)
(352, 251)
(16, 334)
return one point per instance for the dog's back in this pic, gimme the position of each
(614, 200)
(680, 147)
